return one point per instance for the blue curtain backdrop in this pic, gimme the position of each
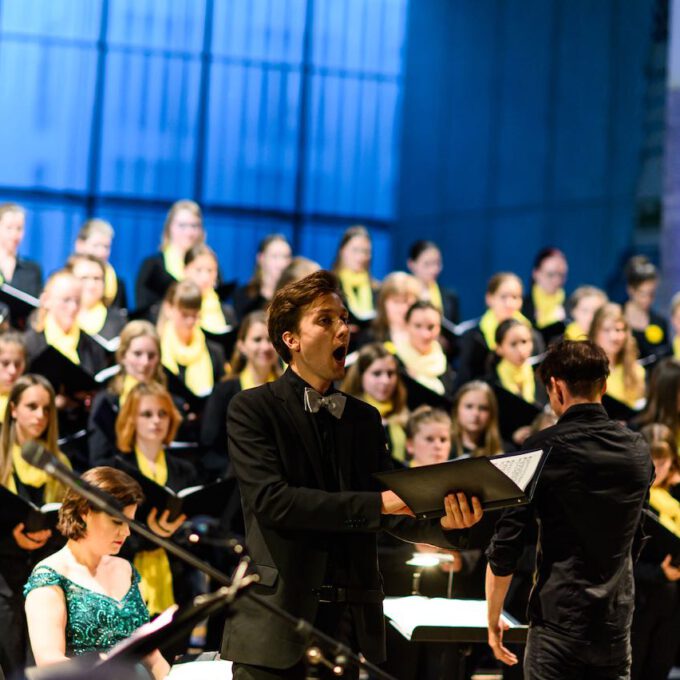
(276, 115)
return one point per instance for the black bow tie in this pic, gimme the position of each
(333, 403)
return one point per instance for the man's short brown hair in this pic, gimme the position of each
(289, 304)
(114, 482)
(582, 365)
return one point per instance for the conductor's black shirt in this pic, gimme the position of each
(587, 504)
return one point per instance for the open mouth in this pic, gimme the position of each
(339, 353)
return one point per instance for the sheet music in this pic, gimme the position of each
(520, 468)
(206, 670)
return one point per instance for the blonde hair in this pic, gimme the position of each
(396, 283)
(491, 443)
(95, 226)
(499, 278)
(38, 320)
(6, 208)
(139, 328)
(184, 204)
(627, 357)
(422, 416)
(583, 292)
(126, 430)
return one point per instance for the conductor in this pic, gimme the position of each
(304, 455)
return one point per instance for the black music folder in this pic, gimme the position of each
(502, 481)
(62, 372)
(417, 395)
(662, 541)
(21, 304)
(513, 411)
(17, 509)
(617, 410)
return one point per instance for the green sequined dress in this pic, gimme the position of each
(95, 622)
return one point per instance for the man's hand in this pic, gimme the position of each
(670, 572)
(458, 514)
(393, 505)
(496, 643)
(32, 541)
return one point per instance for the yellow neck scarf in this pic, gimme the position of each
(574, 332)
(424, 368)
(385, 408)
(173, 261)
(153, 565)
(129, 383)
(32, 476)
(397, 434)
(518, 379)
(110, 284)
(676, 346)
(66, 343)
(616, 386)
(357, 288)
(489, 323)
(92, 320)
(212, 316)
(4, 398)
(247, 379)
(435, 296)
(548, 307)
(667, 507)
(194, 356)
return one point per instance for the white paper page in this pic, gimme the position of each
(205, 670)
(521, 469)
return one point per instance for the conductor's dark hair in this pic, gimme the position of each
(582, 365)
(290, 302)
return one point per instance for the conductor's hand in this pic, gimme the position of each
(458, 513)
(393, 505)
(32, 541)
(160, 526)
(496, 643)
(670, 572)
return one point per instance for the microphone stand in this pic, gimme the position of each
(341, 655)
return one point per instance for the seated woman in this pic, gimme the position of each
(353, 268)
(253, 363)
(95, 238)
(374, 378)
(398, 292)
(183, 229)
(12, 365)
(610, 330)
(420, 352)
(95, 317)
(297, 269)
(139, 359)
(84, 598)
(15, 270)
(185, 352)
(582, 305)
(544, 306)
(30, 415)
(273, 256)
(474, 421)
(425, 263)
(56, 325)
(146, 425)
(201, 267)
(649, 328)
(656, 620)
(504, 301)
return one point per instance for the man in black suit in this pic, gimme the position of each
(587, 502)
(304, 455)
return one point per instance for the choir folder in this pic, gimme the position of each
(500, 481)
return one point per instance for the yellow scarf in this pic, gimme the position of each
(153, 565)
(397, 434)
(424, 368)
(194, 356)
(489, 323)
(110, 284)
(574, 332)
(435, 296)
(518, 379)
(548, 307)
(66, 343)
(92, 320)
(129, 383)
(32, 476)
(247, 380)
(212, 316)
(676, 346)
(616, 387)
(173, 261)
(357, 288)
(667, 507)
(4, 398)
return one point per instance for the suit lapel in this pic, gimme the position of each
(301, 425)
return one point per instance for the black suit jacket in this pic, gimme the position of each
(293, 523)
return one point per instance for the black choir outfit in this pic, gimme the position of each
(93, 357)
(153, 281)
(244, 301)
(655, 340)
(27, 277)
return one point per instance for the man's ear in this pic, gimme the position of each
(556, 388)
(291, 340)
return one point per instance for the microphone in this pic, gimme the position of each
(38, 456)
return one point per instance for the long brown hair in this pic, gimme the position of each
(491, 440)
(350, 233)
(238, 360)
(253, 286)
(662, 399)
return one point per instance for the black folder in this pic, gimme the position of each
(21, 304)
(177, 387)
(423, 488)
(209, 499)
(662, 541)
(513, 411)
(61, 371)
(617, 410)
(552, 332)
(417, 395)
(226, 340)
(17, 509)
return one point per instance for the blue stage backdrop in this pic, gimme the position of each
(275, 115)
